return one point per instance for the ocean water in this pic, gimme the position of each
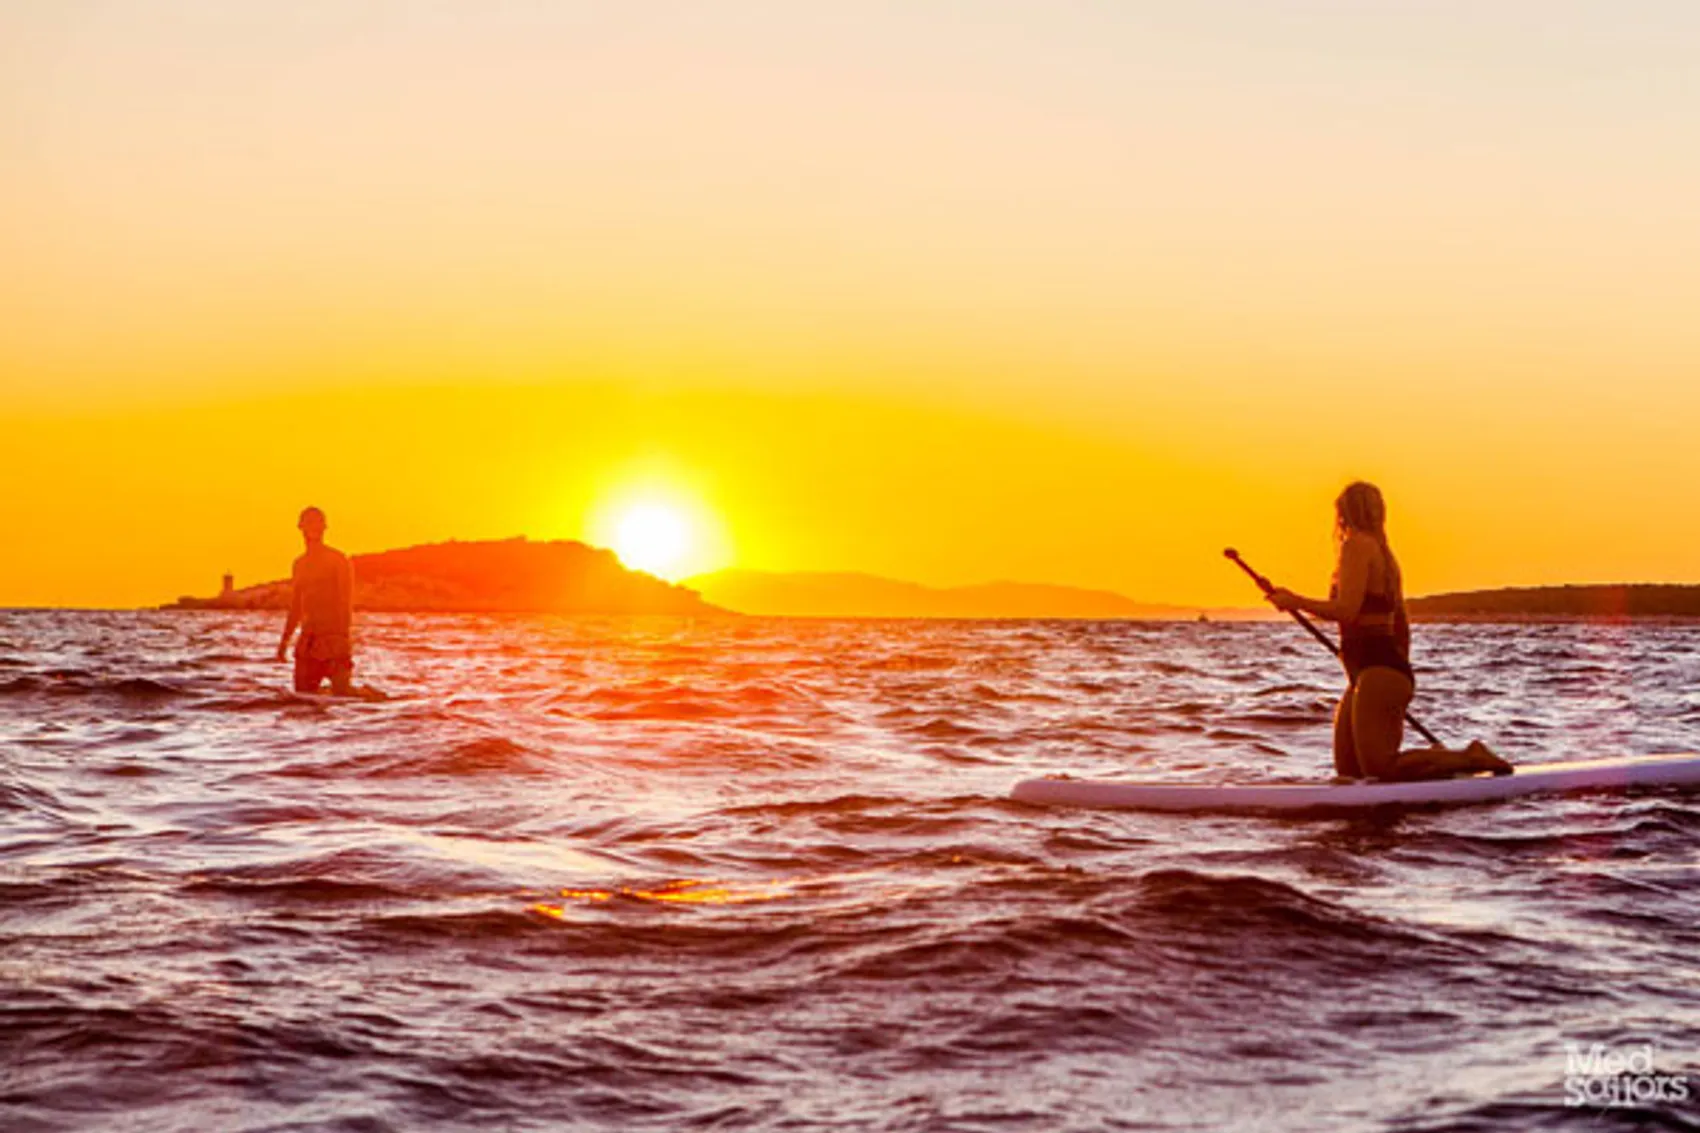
(764, 874)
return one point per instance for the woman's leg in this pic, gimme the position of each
(1345, 750)
(1379, 699)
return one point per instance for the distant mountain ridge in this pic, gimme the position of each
(565, 576)
(835, 594)
(506, 576)
(1596, 602)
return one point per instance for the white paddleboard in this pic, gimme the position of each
(1543, 778)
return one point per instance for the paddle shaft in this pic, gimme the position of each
(1268, 587)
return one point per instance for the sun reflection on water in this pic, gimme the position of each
(686, 891)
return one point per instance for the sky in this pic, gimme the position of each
(1072, 291)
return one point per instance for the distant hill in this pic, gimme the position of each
(1628, 600)
(842, 595)
(510, 576)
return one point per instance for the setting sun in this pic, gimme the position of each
(658, 513)
(652, 537)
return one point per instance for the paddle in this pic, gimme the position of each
(1268, 587)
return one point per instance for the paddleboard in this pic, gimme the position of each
(1537, 779)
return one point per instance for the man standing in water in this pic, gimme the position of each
(322, 604)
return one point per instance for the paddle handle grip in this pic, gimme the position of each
(1268, 587)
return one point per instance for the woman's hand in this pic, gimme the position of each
(1284, 600)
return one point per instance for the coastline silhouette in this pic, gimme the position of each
(512, 576)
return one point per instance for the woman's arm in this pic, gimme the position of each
(1353, 582)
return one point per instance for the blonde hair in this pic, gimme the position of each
(1360, 508)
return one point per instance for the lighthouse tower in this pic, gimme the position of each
(229, 585)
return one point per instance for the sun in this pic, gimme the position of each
(657, 517)
(652, 537)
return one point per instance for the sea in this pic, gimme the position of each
(653, 874)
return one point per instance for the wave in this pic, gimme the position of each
(1318, 713)
(941, 730)
(911, 663)
(486, 755)
(1237, 917)
(81, 683)
(463, 758)
(258, 886)
(268, 700)
(1640, 837)
(668, 701)
(485, 925)
(18, 792)
(219, 659)
(1547, 1115)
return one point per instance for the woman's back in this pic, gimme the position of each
(1380, 634)
(1381, 583)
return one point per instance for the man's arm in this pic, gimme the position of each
(345, 580)
(294, 614)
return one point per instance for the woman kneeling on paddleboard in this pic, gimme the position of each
(1368, 601)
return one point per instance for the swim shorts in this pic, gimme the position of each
(322, 657)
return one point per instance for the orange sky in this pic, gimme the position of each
(939, 290)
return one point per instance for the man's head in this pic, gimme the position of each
(312, 525)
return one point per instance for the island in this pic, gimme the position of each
(1611, 602)
(507, 576)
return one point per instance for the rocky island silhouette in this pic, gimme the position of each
(1596, 602)
(506, 576)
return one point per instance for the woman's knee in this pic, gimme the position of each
(1345, 748)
